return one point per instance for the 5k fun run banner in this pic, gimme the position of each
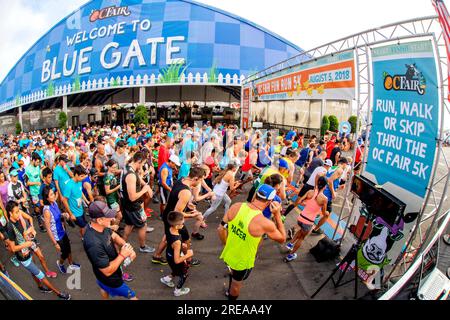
(403, 140)
(330, 77)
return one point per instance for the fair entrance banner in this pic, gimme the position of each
(403, 140)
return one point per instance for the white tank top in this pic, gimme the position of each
(221, 188)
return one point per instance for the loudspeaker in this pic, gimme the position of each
(325, 250)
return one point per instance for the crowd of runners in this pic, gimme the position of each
(101, 182)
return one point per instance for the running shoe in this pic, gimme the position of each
(159, 260)
(75, 266)
(42, 229)
(317, 231)
(194, 262)
(146, 249)
(290, 257)
(61, 267)
(198, 236)
(283, 218)
(64, 296)
(204, 225)
(150, 229)
(50, 274)
(14, 261)
(44, 289)
(265, 236)
(446, 239)
(155, 200)
(290, 246)
(181, 292)
(127, 277)
(168, 282)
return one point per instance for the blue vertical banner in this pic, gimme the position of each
(402, 147)
(405, 116)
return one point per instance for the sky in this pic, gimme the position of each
(307, 23)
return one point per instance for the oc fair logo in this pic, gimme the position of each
(109, 12)
(412, 80)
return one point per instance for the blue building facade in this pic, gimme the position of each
(130, 43)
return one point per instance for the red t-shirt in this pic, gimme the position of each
(330, 146)
(209, 161)
(358, 155)
(163, 156)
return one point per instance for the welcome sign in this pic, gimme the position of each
(107, 44)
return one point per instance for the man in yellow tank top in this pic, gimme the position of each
(241, 230)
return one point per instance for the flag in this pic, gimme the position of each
(444, 20)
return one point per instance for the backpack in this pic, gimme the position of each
(325, 250)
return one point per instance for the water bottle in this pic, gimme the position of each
(127, 262)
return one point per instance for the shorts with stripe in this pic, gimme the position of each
(163, 195)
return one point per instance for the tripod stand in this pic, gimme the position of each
(352, 255)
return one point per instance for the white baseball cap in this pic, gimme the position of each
(175, 159)
(328, 163)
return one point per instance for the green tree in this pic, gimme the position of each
(334, 123)
(140, 115)
(18, 128)
(325, 126)
(353, 120)
(62, 120)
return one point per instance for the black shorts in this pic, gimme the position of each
(329, 206)
(64, 244)
(305, 189)
(240, 275)
(178, 269)
(251, 194)
(134, 218)
(81, 221)
(163, 195)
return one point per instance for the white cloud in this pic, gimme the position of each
(24, 22)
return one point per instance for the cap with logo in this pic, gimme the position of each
(266, 192)
(283, 164)
(328, 163)
(99, 209)
(14, 173)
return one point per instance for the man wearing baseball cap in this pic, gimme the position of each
(241, 230)
(62, 173)
(100, 243)
(165, 179)
(310, 184)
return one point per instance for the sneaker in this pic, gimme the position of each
(290, 257)
(168, 282)
(146, 249)
(155, 200)
(50, 274)
(290, 246)
(159, 260)
(44, 289)
(198, 236)
(127, 277)
(42, 229)
(150, 229)
(181, 292)
(446, 239)
(14, 261)
(204, 226)
(265, 236)
(75, 266)
(317, 231)
(64, 296)
(61, 267)
(194, 262)
(283, 218)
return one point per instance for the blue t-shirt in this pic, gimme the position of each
(73, 193)
(61, 175)
(184, 170)
(24, 142)
(290, 135)
(267, 213)
(131, 142)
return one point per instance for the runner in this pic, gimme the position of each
(177, 262)
(314, 204)
(54, 223)
(100, 246)
(165, 179)
(19, 241)
(179, 200)
(132, 189)
(241, 230)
